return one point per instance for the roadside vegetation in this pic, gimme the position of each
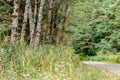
(94, 73)
(46, 63)
(103, 58)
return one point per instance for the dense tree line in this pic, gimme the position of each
(37, 21)
(96, 26)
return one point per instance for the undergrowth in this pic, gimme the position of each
(48, 62)
(41, 63)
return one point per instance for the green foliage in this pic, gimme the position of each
(96, 26)
(4, 32)
(5, 14)
(5, 20)
(106, 58)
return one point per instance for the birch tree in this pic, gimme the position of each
(25, 20)
(32, 30)
(39, 22)
(50, 13)
(35, 11)
(14, 33)
(32, 25)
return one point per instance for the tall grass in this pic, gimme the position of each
(45, 63)
(42, 63)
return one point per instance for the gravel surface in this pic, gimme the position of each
(115, 68)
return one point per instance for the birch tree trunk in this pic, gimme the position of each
(14, 33)
(32, 25)
(40, 17)
(23, 32)
(50, 13)
(35, 11)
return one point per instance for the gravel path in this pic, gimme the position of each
(115, 68)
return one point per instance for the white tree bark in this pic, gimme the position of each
(35, 11)
(32, 25)
(26, 13)
(40, 17)
(14, 33)
(50, 13)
